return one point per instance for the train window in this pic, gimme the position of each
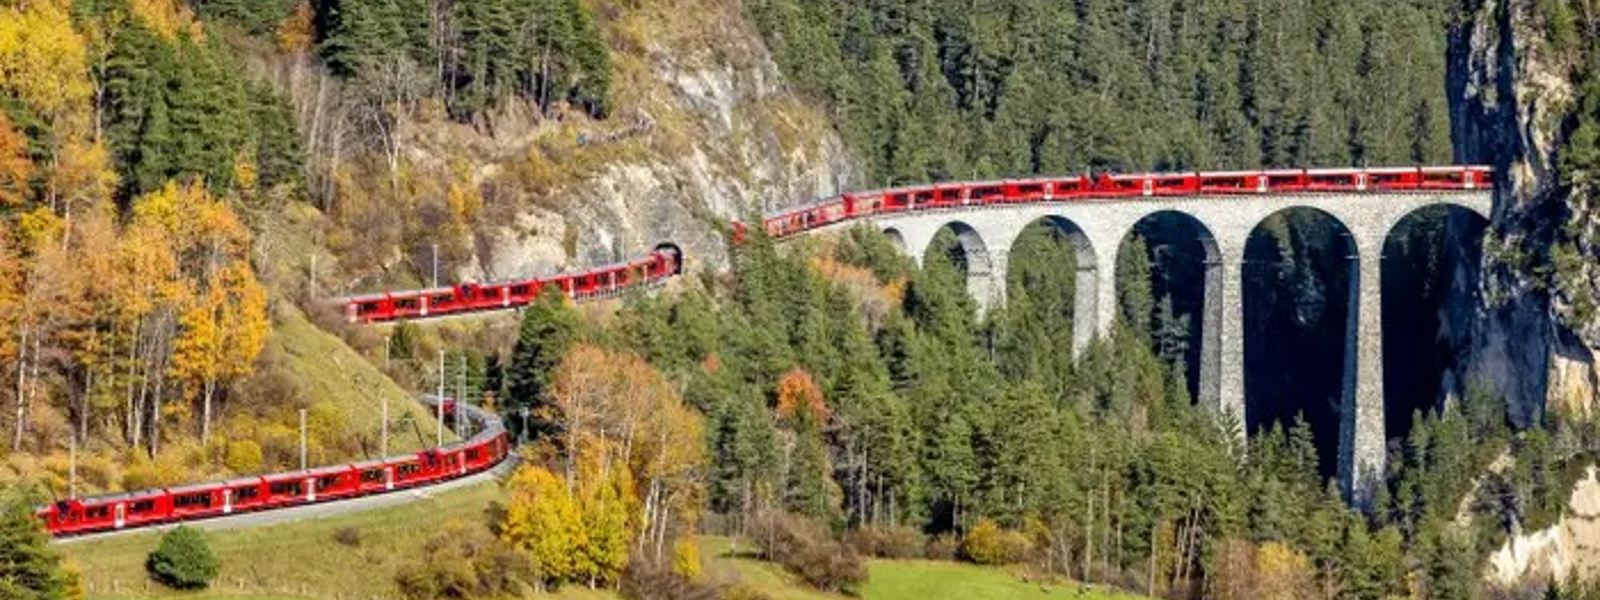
(327, 482)
(192, 500)
(407, 304)
(246, 493)
(372, 476)
(440, 299)
(408, 469)
(519, 290)
(367, 308)
(472, 454)
(98, 512)
(286, 488)
(143, 506)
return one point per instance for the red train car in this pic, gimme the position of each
(323, 484)
(1109, 186)
(664, 262)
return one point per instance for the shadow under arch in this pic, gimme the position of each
(1299, 284)
(1185, 269)
(970, 254)
(1030, 274)
(896, 239)
(1430, 278)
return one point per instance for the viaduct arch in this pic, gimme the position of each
(1096, 229)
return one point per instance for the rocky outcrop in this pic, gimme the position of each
(1553, 554)
(1511, 96)
(704, 130)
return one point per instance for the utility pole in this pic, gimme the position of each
(436, 265)
(383, 444)
(461, 394)
(386, 352)
(302, 439)
(439, 406)
(72, 468)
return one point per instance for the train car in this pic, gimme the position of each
(78, 516)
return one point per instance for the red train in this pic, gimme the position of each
(665, 262)
(324, 484)
(1083, 187)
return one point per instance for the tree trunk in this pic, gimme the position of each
(205, 412)
(22, 395)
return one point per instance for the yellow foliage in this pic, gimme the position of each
(37, 227)
(987, 544)
(296, 33)
(245, 173)
(543, 521)
(686, 558)
(167, 18)
(44, 64)
(1282, 573)
(15, 166)
(244, 457)
(82, 173)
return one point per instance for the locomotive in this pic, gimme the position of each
(144, 508)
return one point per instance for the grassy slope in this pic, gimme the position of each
(327, 370)
(301, 561)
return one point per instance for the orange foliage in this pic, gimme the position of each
(15, 167)
(168, 18)
(797, 389)
(295, 33)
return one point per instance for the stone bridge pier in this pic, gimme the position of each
(1096, 229)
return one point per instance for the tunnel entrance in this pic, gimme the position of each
(1430, 284)
(1297, 278)
(1178, 250)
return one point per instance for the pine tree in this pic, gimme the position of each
(549, 328)
(30, 569)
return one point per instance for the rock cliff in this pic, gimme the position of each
(1513, 94)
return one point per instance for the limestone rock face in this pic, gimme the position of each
(712, 133)
(1511, 95)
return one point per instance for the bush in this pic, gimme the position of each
(465, 561)
(943, 547)
(988, 544)
(183, 560)
(804, 547)
(888, 542)
(244, 457)
(348, 536)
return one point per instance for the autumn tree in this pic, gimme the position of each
(542, 520)
(15, 165)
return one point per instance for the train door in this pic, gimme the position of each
(505, 296)
(227, 502)
(311, 489)
(388, 478)
(461, 459)
(122, 515)
(425, 305)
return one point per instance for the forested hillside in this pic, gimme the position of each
(935, 90)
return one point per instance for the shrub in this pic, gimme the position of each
(988, 544)
(465, 561)
(183, 560)
(244, 457)
(943, 547)
(686, 558)
(348, 536)
(888, 542)
(804, 547)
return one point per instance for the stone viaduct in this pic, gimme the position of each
(1096, 229)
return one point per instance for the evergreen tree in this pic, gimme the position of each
(549, 328)
(30, 569)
